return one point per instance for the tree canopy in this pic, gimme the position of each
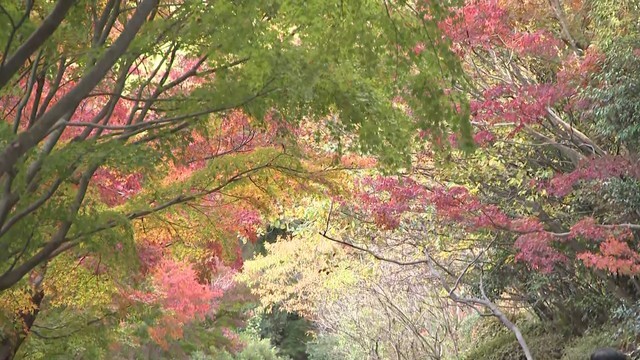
(318, 180)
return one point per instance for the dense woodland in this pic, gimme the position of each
(356, 179)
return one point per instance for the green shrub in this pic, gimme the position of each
(503, 345)
(582, 347)
(255, 349)
(330, 347)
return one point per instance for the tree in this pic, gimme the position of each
(181, 74)
(545, 211)
(115, 115)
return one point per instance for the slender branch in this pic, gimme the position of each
(30, 208)
(484, 302)
(375, 255)
(14, 28)
(99, 25)
(25, 99)
(558, 9)
(37, 39)
(54, 87)
(11, 277)
(110, 23)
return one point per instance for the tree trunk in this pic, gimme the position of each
(11, 342)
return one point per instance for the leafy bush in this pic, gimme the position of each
(582, 347)
(503, 345)
(255, 349)
(330, 347)
(287, 331)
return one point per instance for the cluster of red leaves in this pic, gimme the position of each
(588, 229)
(599, 168)
(615, 255)
(485, 24)
(483, 138)
(235, 133)
(357, 161)
(219, 256)
(535, 249)
(519, 105)
(578, 71)
(182, 294)
(386, 199)
(534, 245)
(457, 205)
(177, 291)
(116, 188)
(240, 220)
(235, 343)
(478, 24)
(150, 254)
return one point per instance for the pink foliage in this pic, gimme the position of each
(540, 43)
(181, 293)
(519, 105)
(478, 24)
(485, 24)
(182, 297)
(234, 134)
(535, 249)
(144, 297)
(116, 188)
(240, 220)
(588, 229)
(577, 71)
(386, 199)
(527, 225)
(457, 205)
(599, 168)
(235, 343)
(150, 254)
(484, 137)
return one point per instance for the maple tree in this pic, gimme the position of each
(545, 109)
(543, 217)
(140, 142)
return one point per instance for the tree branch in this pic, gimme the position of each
(28, 139)
(37, 39)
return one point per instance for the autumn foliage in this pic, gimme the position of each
(168, 171)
